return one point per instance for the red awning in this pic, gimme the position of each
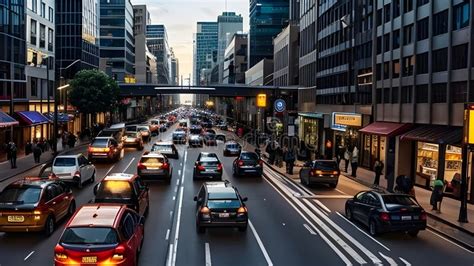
(435, 134)
(386, 128)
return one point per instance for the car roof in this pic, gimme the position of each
(163, 143)
(117, 126)
(32, 182)
(68, 156)
(119, 177)
(99, 138)
(153, 155)
(221, 189)
(97, 215)
(131, 132)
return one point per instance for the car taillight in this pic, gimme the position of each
(384, 217)
(335, 172)
(90, 149)
(59, 253)
(52, 176)
(260, 162)
(219, 167)
(165, 166)
(205, 212)
(240, 163)
(119, 253)
(107, 149)
(77, 173)
(423, 216)
(141, 166)
(200, 167)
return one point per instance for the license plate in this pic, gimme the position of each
(223, 215)
(89, 259)
(406, 218)
(16, 219)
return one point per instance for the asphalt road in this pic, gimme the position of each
(290, 225)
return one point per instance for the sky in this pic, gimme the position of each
(180, 18)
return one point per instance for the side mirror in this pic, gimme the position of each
(245, 199)
(142, 220)
(195, 198)
(96, 188)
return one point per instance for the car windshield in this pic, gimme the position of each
(90, 236)
(107, 133)
(100, 143)
(23, 195)
(248, 156)
(391, 200)
(325, 165)
(223, 203)
(161, 148)
(143, 128)
(154, 122)
(114, 189)
(232, 146)
(62, 162)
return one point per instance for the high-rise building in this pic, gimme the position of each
(157, 42)
(285, 58)
(267, 19)
(205, 48)
(141, 19)
(174, 69)
(294, 15)
(228, 24)
(117, 43)
(145, 61)
(235, 60)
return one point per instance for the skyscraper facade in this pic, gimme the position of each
(205, 48)
(229, 23)
(145, 61)
(157, 42)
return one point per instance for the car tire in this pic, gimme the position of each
(49, 226)
(373, 228)
(200, 229)
(243, 229)
(349, 214)
(71, 209)
(333, 185)
(413, 233)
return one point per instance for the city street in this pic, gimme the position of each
(289, 224)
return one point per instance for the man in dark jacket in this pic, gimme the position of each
(289, 158)
(37, 152)
(378, 169)
(13, 150)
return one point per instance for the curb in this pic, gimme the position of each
(453, 239)
(42, 164)
(461, 229)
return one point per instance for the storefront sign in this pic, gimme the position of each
(280, 105)
(469, 124)
(347, 119)
(262, 100)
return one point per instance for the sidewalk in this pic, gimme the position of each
(26, 163)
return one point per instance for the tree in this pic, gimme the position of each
(93, 91)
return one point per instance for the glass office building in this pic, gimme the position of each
(157, 42)
(205, 48)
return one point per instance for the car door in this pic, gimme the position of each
(127, 229)
(370, 203)
(90, 166)
(82, 169)
(142, 195)
(54, 201)
(200, 198)
(358, 205)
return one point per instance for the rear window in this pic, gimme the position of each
(114, 189)
(154, 122)
(154, 160)
(90, 236)
(325, 165)
(195, 131)
(224, 203)
(23, 195)
(107, 133)
(62, 162)
(100, 143)
(210, 136)
(398, 200)
(131, 128)
(232, 146)
(248, 156)
(161, 148)
(143, 128)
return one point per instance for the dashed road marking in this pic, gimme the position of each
(29, 255)
(130, 163)
(309, 229)
(208, 254)
(167, 234)
(260, 244)
(390, 261)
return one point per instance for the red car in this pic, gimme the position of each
(101, 234)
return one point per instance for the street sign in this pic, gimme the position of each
(280, 105)
(469, 124)
(262, 100)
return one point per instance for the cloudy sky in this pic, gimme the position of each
(180, 17)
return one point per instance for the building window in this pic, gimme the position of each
(407, 5)
(43, 10)
(396, 39)
(461, 15)
(33, 32)
(51, 14)
(379, 17)
(34, 87)
(439, 59)
(34, 6)
(386, 42)
(394, 94)
(50, 39)
(422, 63)
(396, 68)
(406, 94)
(42, 36)
(408, 34)
(386, 95)
(440, 23)
(422, 2)
(459, 92)
(379, 71)
(459, 56)
(386, 70)
(408, 64)
(421, 93)
(386, 11)
(438, 93)
(379, 45)
(378, 95)
(396, 8)
(422, 29)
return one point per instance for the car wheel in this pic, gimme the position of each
(349, 214)
(413, 233)
(72, 209)
(373, 228)
(49, 226)
(243, 229)
(333, 185)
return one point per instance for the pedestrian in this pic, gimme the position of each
(28, 147)
(37, 152)
(378, 169)
(354, 161)
(71, 140)
(13, 150)
(64, 140)
(289, 158)
(271, 152)
(302, 152)
(437, 195)
(278, 156)
(347, 157)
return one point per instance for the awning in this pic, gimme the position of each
(62, 117)
(386, 129)
(32, 118)
(6, 120)
(435, 134)
(312, 115)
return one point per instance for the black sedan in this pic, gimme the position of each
(383, 212)
(232, 148)
(320, 172)
(207, 166)
(248, 163)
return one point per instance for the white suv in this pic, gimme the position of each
(74, 168)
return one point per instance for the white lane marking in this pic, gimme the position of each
(369, 236)
(328, 197)
(208, 254)
(178, 220)
(342, 192)
(29, 255)
(404, 261)
(390, 261)
(167, 234)
(309, 229)
(442, 237)
(179, 172)
(177, 180)
(170, 254)
(174, 198)
(108, 171)
(176, 189)
(356, 243)
(260, 244)
(130, 163)
(171, 213)
(328, 242)
(320, 204)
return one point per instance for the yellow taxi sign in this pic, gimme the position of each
(469, 124)
(262, 100)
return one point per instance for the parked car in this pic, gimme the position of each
(133, 138)
(386, 212)
(74, 168)
(104, 148)
(145, 132)
(126, 189)
(207, 165)
(154, 165)
(248, 163)
(320, 172)
(100, 234)
(34, 204)
(232, 148)
(166, 148)
(219, 204)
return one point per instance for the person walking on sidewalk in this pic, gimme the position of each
(12, 150)
(347, 157)
(37, 152)
(437, 195)
(289, 157)
(64, 140)
(279, 156)
(28, 147)
(71, 140)
(378, 169)
(271, 153)
(354, 161)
